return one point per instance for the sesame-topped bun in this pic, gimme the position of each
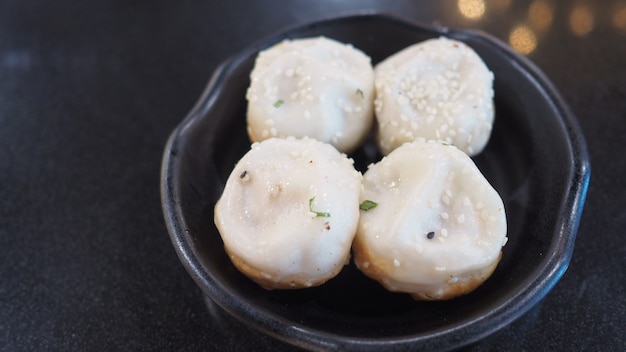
(438, 89)
(313, 87)
(438, 227)
(289, 212)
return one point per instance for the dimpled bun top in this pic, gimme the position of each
(313, 87)
(289, 212)
(438, 228)
(438, 89)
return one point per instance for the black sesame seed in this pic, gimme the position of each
(243, 174)
(430, 235)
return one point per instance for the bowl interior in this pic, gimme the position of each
(531, 160)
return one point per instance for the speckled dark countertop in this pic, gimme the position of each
(89, 92)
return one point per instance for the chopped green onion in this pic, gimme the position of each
(317, 213)
(368, 205)
(359, 93)
(278, 103)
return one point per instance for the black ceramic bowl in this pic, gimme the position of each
(536, 159)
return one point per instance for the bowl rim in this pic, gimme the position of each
(465, 332)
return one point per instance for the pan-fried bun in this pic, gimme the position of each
(312, 87)
(289, 212)
(438, 89)
(438, 228)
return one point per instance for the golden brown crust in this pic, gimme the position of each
(378, 270)
(271, 283)
(461, 287)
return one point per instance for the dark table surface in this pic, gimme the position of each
(90, 90)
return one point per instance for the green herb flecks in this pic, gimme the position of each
(368, 205)
(278, 103)
(359, 93)
(319, 214)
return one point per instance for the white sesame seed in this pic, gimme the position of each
(461, 218)
(402, 100)
(396, 263)
(444, 215)
(444, 232)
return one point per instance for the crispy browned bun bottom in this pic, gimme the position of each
(378, 270)
(287, 282)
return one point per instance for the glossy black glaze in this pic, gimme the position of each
(543, 200)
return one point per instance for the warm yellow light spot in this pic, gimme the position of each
(540, 14)
(619, 18)
(472, 9)
(581, 20)
(523, 40)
